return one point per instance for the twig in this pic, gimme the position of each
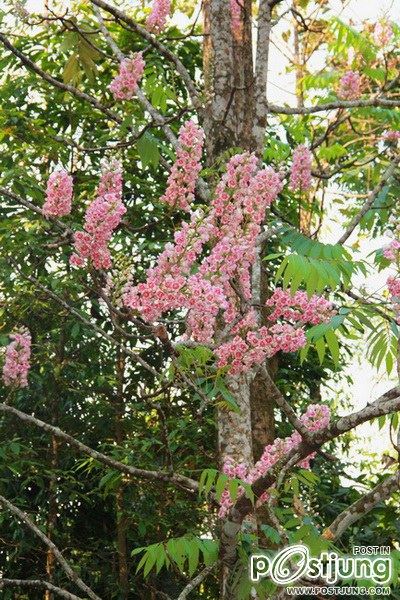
(194, 96)
(37, 584)
(308, 110)
(362, 506)
(176, 479)
(388, 174)
(195, 582)
(57, 554)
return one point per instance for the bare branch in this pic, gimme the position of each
(34, 208)
(119, 14)
(153, 112)
(59, 557)
(175, 479)
(362, 507)
(308, 110)
(110, 40)
(27, 62)
(388, 174)
(37, 584)
(156, 116)
(84, 319)
(195, 582)
(276, 396)
(385, 404)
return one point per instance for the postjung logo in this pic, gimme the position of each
(294, 562)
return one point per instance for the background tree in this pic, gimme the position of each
(121, 466)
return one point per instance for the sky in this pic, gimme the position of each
(368, 384)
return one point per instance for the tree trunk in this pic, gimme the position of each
(54, 449)
(235, 116)
(229, 80)
(52, 515)
(121, 518)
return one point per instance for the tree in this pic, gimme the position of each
(172, 312)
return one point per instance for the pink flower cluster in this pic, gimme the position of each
(158, 17)
(391, 252)
(241, 354)
(350, 86)
(218, 283)
(394, 286)
(236, 18)
(185, 170)
(125, 84)
(230, 228)
(58, 194)
(383, 33)
(299, 307)
(102, 217)
(17, 360)
(300, 174)
(316, 417)
(394, 290)
(391, 136)
(250, 348)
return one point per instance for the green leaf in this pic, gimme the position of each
(333, 346)
(220, 485)
(271, 533)
(148, 149)
(194, 553)
(207, 479)
(227, 396)
(320, 348)
(71, 69)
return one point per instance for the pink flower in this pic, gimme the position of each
(125, 84)
(17, 365)
(316, 417)
(181, 279)
(58, 194)
(159, 13)
(299, 307)
(185, 170)
(102, 217)
(383, 33)
(300, 175)
(236, 18)
(350, 86)
(207, 272)
(391, 136)
(391, 252)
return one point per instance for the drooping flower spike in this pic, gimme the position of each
(157, 19)
(125, 84)
(17, 360)
(58, 194)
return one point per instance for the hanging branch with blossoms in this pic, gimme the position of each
(102, 217)
(17, 360)
(197, 277)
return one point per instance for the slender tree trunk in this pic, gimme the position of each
(305, 210)
(298, 61)
(54, 460)
(228, 118)
(235, 116)
(121, 517)
(52, 515)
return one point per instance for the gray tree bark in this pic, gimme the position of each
(236, 116)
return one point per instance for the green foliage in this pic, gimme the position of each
(212, 478)
(75, 383)
(315, 265)
(185, 553)
(347, 37)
